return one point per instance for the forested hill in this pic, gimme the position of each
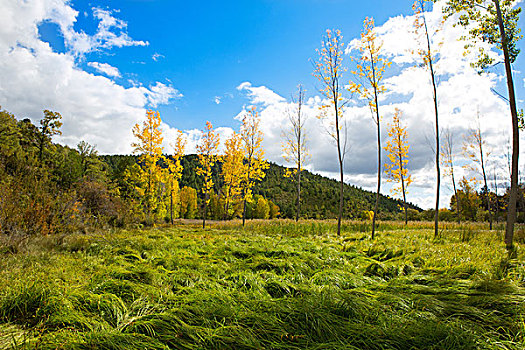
(319, 195)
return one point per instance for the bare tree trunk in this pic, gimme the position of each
(458, 211)
(511, 213)
(205, 211)
(298, 195)
(171, 206)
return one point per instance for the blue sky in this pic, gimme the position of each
(208, 48)
(101, 64)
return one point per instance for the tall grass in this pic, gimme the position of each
(270, 285)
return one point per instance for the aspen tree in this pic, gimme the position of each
(496, 22)
(207, 151)
(428, 55)
(294, 145)
(149, 174)
(254, 162)
(328, 69)
(175, 170)
(232, 171)
(475, 151)
(447, 158)
(368, 85)
(397, 148)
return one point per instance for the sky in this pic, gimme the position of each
(102, 64)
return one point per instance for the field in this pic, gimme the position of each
(272, 285)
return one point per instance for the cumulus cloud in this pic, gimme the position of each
(260, 94)
(105, 68)
(461, 93)
(156, 56)
(34, 77)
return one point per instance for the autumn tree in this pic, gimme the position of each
(397, 148)
(294, 145)
(329, 70)
(428, 54)
(148, 175)
(254, 162)
(474, 149)
(496, 22)
(231, 172)
(468, 197)
(49, 127)
(447, 158)
(368, 85)
(188, 202)
(207, 151)
(174, 173)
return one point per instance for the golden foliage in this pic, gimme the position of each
(207, 151)
(397, 148)
(254, 162)
(232, 171)
(371, 66)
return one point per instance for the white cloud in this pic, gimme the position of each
(461, 92)
(34, 77)
(156, 56)
(217, 100)
(160, 94)
(260, 94)
(105, 68)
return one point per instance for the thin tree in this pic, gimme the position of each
(232, 171)
(474, 150)
(368, 85)
(447, 157)
(496, 22)
(175, 169)
(207, 151)
(294, 145)
(149, 173)
(428, 56)
(329, 70)
(397, 148)
(254, 162)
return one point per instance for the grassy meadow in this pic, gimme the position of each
(272, 285)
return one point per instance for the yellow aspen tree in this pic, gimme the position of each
(254, 162)
(175, 170)
(447, 159)
(474, 150)
(294, 145)
(428, 55)
(149, 147)
(496, 22)
(232, 171)
(328, 69)
(368, 85)
(397, 147)
(207, 151)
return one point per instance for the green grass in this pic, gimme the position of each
(272, 285)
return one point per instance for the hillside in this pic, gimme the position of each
(320, 195)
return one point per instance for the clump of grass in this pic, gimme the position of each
(271, 285)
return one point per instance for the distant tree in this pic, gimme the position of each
(428, 56)
(368, 85)
(274, 210)
(262, 209)
(328, 69)
(447, 157)
(469, 199)
(175, 169)
(294, 145)
(397, 148)
(207, 151)
(232, 172)
(188, 202)
(474, 148)
(147, 176)
(49, 126)
(496, 22)
(254, 162)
